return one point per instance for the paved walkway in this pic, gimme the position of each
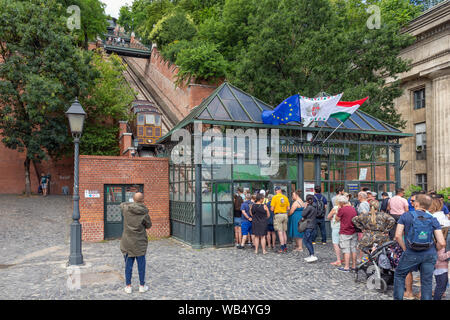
(34, 249)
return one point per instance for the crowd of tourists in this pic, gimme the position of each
(417, 225)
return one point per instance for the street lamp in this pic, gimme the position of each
(76, 116)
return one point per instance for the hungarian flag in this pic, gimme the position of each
(344, 109)
(318, 109)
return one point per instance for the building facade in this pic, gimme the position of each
(227, 131)
(425, 103)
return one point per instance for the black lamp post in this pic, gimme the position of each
(76, 117)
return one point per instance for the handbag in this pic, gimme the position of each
(302, 224)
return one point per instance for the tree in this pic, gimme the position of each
(126, 18)
(314, 46)
(42, 72)
(175, 26)
(108, 100)
(92, 17)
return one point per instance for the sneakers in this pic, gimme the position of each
(311, 259)
(240, 247)
(343, 269)
(128, 289)
(143, 288)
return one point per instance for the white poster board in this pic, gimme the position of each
(309, 188)
(362, 174)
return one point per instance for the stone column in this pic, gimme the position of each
(441, 133)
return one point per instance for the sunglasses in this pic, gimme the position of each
(413, 200)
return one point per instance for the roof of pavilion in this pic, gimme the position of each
(229, 105)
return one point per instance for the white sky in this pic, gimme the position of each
(113, 6)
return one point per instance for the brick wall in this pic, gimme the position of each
(160, 75)
(12, 172)
(96, 171)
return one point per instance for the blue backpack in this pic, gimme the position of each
(420, 236)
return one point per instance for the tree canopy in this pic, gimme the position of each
(276, 48)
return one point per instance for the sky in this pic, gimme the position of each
(113, 6)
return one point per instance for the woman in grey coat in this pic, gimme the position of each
(134, 238)
(310, 213)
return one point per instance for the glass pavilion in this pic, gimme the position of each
(363, 152)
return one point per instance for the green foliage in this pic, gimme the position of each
(202, 62)
(412, 188)
(445, 192)
(42, 72)
(100, 140)
(107, 101)
(154, 11)
(92, 16)
(175, 26)
(313, 46)
(170, 52)
(126, 18)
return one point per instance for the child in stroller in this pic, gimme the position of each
(378, 269)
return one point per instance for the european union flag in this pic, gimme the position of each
(287, 111)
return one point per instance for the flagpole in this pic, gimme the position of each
(332, 132)
(317, 135)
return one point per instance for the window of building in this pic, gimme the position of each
(421, 181)
(419, 99)
(150, 119)
(157, 120)
(421, 141)
(140, 120)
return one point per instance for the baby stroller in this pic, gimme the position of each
(378, 269)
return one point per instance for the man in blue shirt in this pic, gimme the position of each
(320, 218)
(246, 220)
(411, 259)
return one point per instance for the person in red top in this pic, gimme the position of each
(348, 238)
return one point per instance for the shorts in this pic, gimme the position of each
(335, 235)
(280, 222)
(348, 242)
(246, 228)
(237, 221)
(44, 186)
(270, 228)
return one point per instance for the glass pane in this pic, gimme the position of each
(225, 93)
(223, 191)
(355, 117)
(236, 111)
(367, 153)
(248, 172)
(130, 191)
(292, 171)
(222, 172)
(324, 172)
(224, 213)
(353, 152)
(190, 191)
(207, 214)
(157, 120)
(114, 194)
(217, 110)
(332, 122)
(351, 170)
(204, 115)
(206, 172)
(140, 120)
(380, 172)
(380, 153)
(150, 119)
(308, 170)
(349, 124)
(176, 191)
(374, 123)
(365, 172)
(282, 171)
(182, 191)
(206, 191)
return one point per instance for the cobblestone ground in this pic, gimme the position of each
(34, 249)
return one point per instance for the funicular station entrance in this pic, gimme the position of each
(363, 152)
